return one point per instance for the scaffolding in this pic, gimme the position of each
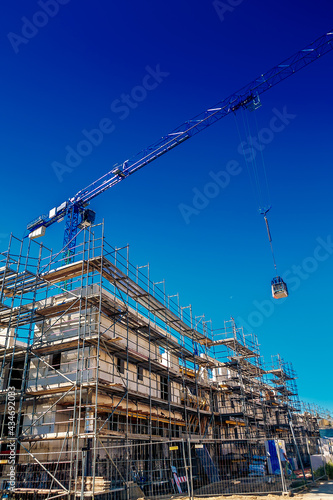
(99, 358)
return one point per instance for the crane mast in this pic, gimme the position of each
(75, 211)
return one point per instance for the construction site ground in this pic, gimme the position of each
(321, 491)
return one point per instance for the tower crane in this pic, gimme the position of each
(75, 211)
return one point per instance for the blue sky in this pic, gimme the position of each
(68, 75)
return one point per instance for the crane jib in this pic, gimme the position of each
(188, 129)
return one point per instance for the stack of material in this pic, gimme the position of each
(101, 485)
(258, 466)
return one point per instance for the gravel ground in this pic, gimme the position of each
(321, 491)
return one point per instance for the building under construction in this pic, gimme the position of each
(120, 390)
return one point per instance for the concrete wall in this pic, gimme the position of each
(42, 375)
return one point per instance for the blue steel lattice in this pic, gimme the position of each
(185, 131)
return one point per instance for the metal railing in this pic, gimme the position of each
(165, 468)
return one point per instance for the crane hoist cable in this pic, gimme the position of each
(257, 170)
(263, 163)
(269, 236)
(254, 165)
(241, 142)
(279, 287)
